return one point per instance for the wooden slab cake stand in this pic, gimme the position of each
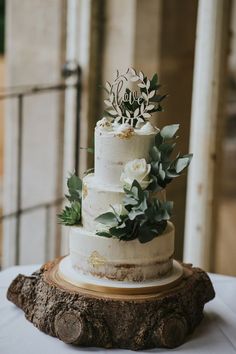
(103, 319)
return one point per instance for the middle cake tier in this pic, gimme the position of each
(97, 199)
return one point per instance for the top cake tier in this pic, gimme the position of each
(113, 149)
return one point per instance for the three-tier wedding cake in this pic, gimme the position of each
(119, 214)
(120, 287)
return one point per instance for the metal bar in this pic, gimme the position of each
(77, 123)
(32, 208)
(37, 90)
(19, 178)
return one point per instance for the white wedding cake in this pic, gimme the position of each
(120, 228)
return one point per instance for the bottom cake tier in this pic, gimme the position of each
(111, 258)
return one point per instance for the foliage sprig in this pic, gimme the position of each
(163, 167)
(71, 215)
(143, 217)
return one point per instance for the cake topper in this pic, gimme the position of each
(126, 106)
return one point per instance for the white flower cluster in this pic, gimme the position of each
(124, 130)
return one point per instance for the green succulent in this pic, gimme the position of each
(70, 215)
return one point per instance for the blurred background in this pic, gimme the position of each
(56, 54)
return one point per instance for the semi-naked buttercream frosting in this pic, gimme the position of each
(96, 199)
(115, 146)
(113, 149)
(121, 260)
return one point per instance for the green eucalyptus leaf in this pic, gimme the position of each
(158, 139)
(161, 172)
(136, 184)
(129, 200)
(160, 227)
(143, 205)
(154, 82)
(166, 165)
(182, 163)
(118, 232)
(165, 215)
(106, 218)
(74, 183)
(134, 213)
(171, 174)
(166, 150)
(104, 234)
(153, 185)
(155, 153)
(169, 131)
(146, 234)
(155, 167)
(159, 216)
(134, 191)
(169, 206)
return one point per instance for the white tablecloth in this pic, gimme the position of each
(216, 334)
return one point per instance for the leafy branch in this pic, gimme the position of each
(71, 215)
(143, 218)
(163, 167)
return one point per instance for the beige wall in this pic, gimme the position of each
(2, 84)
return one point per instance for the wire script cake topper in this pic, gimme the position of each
(126, 106)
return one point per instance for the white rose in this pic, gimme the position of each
(137, 169)
(104, 124)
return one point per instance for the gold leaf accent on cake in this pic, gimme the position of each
(85, 190)
(96, 259)
(125, 135)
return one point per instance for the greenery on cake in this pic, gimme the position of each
(140, 216)
(163, 167)
(144, 212)
(133, 107)
(71, 215)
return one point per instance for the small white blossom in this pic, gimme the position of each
(104, 124)
(140, 123)
(124, 131)
(147, 128)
